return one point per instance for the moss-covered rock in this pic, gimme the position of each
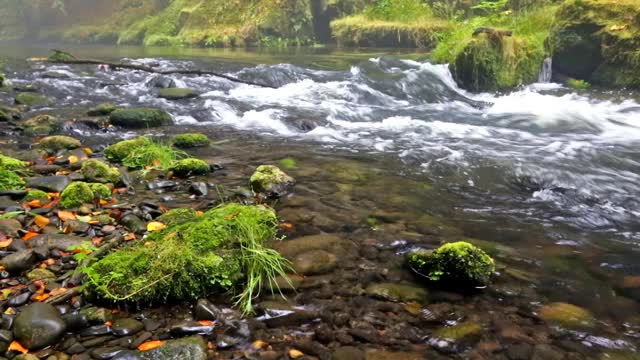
(269, 179)
(118, 151)
(9, 180)
(76, 194)
(177, 216)
(100, 191)
(140, 118)
(9, 163)
(189, 260)
(102, 109)
(458, 332)
(5, 115)
(177, 93)
(191, 140)
(186, 167)
(36, 195)
(96, 171)
(598, 41)
(40, 125)
(567, 315)
(494, 62)
(53, 144)
(32, 100)
(458, 264)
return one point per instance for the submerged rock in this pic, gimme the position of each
(161, 82)
(140, 118)
(32, 100)
(102, 109)
(567, 315)
(454, 264)
(270, 180)
(177, 93)
(457, 332)
(38, 325)
(314, 262)
(397, 292)
(40, 125)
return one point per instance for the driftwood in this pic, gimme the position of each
(61, 57)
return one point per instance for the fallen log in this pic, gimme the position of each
(61, 57)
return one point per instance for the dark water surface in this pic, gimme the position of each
(392, 155)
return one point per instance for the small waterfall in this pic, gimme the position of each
(546, 71)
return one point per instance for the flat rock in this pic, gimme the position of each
(314, 262)
(397, 292)
(127, 326)
(192, 348)
(54, 184)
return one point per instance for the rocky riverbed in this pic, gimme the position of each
(347, 225)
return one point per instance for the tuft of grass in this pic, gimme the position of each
(153, 155)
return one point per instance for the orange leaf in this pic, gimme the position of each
(205, 322)
(97, 241)
(130, 236)
(34, 203)
(41, 297)
(66, 215)
(41, 221)
(109, 323)
(150, 345)
(16, 346)
(6, 243)
(233, 215)
(29, 235)
(51, 204)
(155, 226)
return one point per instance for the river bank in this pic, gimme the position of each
(426, 167)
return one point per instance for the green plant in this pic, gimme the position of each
(10, 180)
(578, 84)
(397, 10)
(449, 10)
(82, 250)
(76, 194)
(120, 150)
(153, 155)
(491, 8)
(11, 215)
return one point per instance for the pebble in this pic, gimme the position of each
(19, 262)
(38, 325)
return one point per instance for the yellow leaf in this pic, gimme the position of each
(41, 221)
(259, 344)
(73, 159)
(87, 151)
(155, 226)
(294, 354)
(84, 219)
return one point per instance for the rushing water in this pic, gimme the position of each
(546, 170)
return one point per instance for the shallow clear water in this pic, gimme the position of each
(550, 173)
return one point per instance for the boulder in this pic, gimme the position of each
(177, 93)
(38, 325)
(140, 118)
(161, 82)
(192, 348)
(597, 41)
(102, 110)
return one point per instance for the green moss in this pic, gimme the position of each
(269, 179)
(191, 140)
(5, 115)
(456, 264)
(206, 255)
(458, 332)
(578, 84)
(53, 144)
(177, 93)
(40, 125)
(9, 180)
(155, 155)
(177, 216)
(100, 191)
(9, 163)
(186, 167)
(140, 118)
(97, 171)
(31, 99)
(36, 195)
(59, 55)
(288, 163)
(76, 194)
(102, 109)
(360, 31)
(567, 315)
(105, 219)
(118, 151)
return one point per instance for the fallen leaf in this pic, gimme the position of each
(199, 212)
(66, 215)
(109, 323)
(233, 215)
(58, 291)
(6, 243)
(130, 236)
(150, 345)
(87, 150)
(617, 27)
(29, 235)
(41, 221)
(10, 311)
(205, 322)
(73, 159)
(294, 354)
(49, 262)
(259, 344)
(84, 219)
(16, 346)
(41, 297)
(97, 241)
(51, 204)
(148, 243)
(630, 282)
(34, 203)
(155, 226)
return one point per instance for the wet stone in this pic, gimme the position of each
(205, 310)
(10, 227)
(397, 292)
(199, 189)
(105, 353)
(190, 328)
(134, 223)
(6, 336)
(19, 300)
(19, 262)
(162, 185)
(193, 348)
(38, 325)
(54, 184)
(75, 321)
(125, 327)
(376, 354)
(96, 330)
(314, 262)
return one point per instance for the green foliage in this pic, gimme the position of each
(153, 155)
(9, 180)
(82, 250)
(76, 194)
(36, 195)
(398, 10)
(186, 261)
(491, 8)
(118, 151)
(191, 140)
(177, 216)
(578, 84)
(9, 163)
(458, 263)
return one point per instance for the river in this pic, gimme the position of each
(391, 154)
